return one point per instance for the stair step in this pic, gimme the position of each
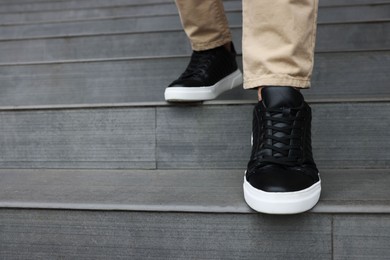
(144, 80)
(331, 38)
(185, 214)
(344, 135)
(205, 190)
(48, 234)
(78, 138)
(366, 13)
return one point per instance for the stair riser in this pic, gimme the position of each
(344, 135)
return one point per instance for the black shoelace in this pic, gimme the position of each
(198, 66)
(281, 155)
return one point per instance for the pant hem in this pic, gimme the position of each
(277, 81)
(210, 45)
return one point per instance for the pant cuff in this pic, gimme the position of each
(283, 80)
(210, 45)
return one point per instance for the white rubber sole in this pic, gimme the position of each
(282, 202)
(204, 93)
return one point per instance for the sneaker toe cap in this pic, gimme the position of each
(274, 178)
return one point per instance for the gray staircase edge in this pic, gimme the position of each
(196, 191)
(162, 57)
(320, 208)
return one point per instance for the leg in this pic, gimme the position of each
(278, 48)
(213, 68)
(278, 42)
(205, 23)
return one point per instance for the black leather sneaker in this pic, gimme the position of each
(208, 74)
(281, 177)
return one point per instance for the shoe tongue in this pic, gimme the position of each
(277, 97)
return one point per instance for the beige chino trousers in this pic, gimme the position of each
(278, 37)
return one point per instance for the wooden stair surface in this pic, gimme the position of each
(96, 165)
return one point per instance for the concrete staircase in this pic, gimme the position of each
(95, 165)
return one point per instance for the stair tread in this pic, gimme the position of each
(110, 45)
(203, 190)
(144, 80)
(129, 24)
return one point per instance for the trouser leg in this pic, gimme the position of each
(278, 42)
(204, 22)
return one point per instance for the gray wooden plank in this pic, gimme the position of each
(138, 235)
(88, 27)
(203, 137)
(116, 43)
(145, 190)
(127, 19)
(193, 190)
(331, 38)
(351, 2)
(361, 237)
(361, 11)
(354, 191)
(90, 13)
(22, 2)
(344, 135)
(75, 4)
(90, 82)
(172, 22)
(350, 75)
(39, 6)
(353, 37)
(84, 138)
(143, 80)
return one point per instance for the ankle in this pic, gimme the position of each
(259, 97)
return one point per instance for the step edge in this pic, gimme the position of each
(191, 104)
(321, 208)
(119, 59)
